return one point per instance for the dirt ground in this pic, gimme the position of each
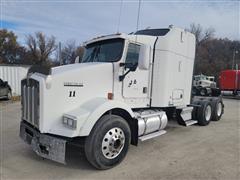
(211, 152)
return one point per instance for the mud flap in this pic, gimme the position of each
(184, 116)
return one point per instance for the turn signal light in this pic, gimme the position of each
(110, 96)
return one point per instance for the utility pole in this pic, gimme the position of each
(236, 80)
(233, 60)
(59, 54)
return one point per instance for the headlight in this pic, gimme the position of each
(70, 122)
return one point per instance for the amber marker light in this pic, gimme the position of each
(110, 96)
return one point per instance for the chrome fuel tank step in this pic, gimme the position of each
(151, 123)
(152, 135)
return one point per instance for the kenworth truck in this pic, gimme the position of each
(125, 90)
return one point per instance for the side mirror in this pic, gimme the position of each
(131, 66)
(143, 61)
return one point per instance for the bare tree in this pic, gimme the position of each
(201, 34)
(70, 52)
(196, 30)
(208, 34)
(40, 47)
(79, 52)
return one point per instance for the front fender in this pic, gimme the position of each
(89, 113)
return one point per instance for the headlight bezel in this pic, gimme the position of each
(69, 121)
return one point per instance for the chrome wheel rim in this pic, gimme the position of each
(113, 143)
(202, 92)
(208, 112)
(219, 109)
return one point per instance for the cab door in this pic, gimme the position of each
(136, 83)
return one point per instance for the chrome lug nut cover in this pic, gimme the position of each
(113, 143)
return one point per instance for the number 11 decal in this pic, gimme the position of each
(72, 93)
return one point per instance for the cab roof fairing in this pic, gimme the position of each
(131, 37)
(105, 37)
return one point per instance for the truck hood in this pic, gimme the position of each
(75, 67)
(71, 86)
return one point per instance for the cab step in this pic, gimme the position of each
(152, 135)
(190, 122)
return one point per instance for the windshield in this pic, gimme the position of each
(104, 51)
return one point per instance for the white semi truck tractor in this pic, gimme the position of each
(125, 90)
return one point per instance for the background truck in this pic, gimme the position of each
(205, 86)
(204, 81)
(124, 91)
(229, 80)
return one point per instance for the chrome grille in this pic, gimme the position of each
(30, 101)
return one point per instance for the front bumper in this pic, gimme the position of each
(46, 146)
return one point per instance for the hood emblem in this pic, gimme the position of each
(73, 84)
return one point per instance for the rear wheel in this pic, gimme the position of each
(195, 110)
(218, 109)
(108, 142)
(204, 113)
(235, 93)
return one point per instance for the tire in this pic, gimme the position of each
(103, 149)
(9, 95)
(203, 92)
(218, 109)
(204, 113)
(194, 91)
(195, 110)
(216, 92)
(209, 91)
(235, 93)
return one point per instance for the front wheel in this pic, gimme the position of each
(108, 142)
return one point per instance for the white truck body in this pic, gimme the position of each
(139, 79)
(171, 85)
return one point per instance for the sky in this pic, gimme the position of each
(80, 20)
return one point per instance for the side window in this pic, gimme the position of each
(132, 53)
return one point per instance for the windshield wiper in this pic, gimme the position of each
(97, 54)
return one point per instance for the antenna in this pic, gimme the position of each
(119, 17)
(138, 16)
